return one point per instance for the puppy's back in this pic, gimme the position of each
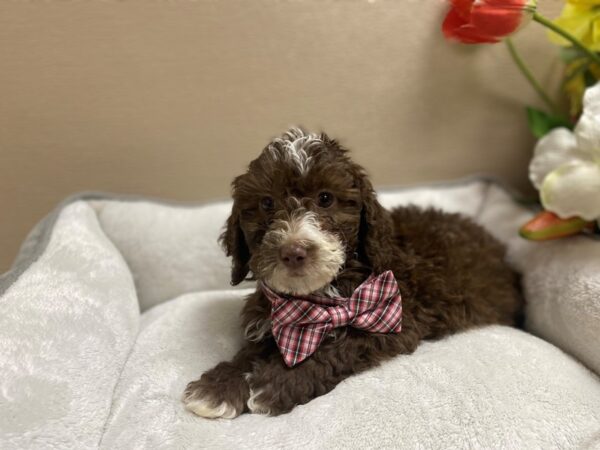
(459, 261)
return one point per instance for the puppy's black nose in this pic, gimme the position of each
(293, 256)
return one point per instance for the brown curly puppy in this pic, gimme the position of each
(305, 219)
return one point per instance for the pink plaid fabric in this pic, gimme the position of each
(301, 323)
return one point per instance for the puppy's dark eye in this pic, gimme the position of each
(267, 203)
(325, 199)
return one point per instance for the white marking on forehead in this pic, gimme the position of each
(293, 146)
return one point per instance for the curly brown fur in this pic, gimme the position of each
(451, 273)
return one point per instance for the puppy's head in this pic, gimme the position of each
(300, 212)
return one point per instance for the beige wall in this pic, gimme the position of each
(172, 98)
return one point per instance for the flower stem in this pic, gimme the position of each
(529, 76)
(569, 37)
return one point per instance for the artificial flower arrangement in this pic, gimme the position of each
(565, 167)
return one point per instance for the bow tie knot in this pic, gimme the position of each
(300, 324)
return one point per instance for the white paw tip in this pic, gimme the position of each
(206, 409)
(254, 406)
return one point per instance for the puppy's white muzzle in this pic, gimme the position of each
(308, 258)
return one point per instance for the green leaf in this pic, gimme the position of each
(570, 54)
(589, 78)
(540, 122)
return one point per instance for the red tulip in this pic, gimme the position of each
(485, 21)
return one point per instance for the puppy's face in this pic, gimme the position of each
(297, 214)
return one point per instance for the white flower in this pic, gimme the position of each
(566, 165)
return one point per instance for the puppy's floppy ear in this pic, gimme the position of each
(377, 241)
(376, 232)
(233, 242)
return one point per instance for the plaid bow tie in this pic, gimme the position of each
(301, 323)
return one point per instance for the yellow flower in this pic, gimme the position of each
(584, 2)
(578, 75)
(580, 18)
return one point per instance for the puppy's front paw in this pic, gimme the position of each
(276, 390)
(221, 392)
(258, 402)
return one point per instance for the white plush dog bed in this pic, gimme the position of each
(115, 304)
